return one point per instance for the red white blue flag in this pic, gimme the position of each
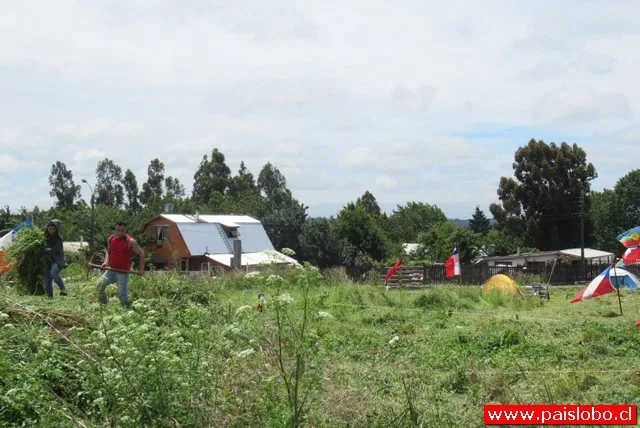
(452, 265)
(599, 286)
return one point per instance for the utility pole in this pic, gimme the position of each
(583, 265)
(92, 230)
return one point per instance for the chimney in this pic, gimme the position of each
(518, 251)
(237, 254)
(197, 213)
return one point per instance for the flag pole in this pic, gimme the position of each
(617, 285)
(460, 263)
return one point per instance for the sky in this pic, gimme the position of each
(421, 100)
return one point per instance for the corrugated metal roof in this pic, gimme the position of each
(203, 237)
(178, 218)
(252, 259)
(225, 219)
(253, 237)
(589, 253)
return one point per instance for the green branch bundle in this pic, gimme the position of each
(27, 261)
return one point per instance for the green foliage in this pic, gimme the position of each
(63, 187)
(437, 244)
(109, 190)
(27, 260)
(614, 211)
(320, 243)
(549, 190)
(479, 223)
(369, 204)
(130, 187)
(354, 355)
(409, 221)
(212, 176)
(362, 232)
(153, 187)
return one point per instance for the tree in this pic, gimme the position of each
(281, 214)
(479, 223)
(614, 211)
(152, 188)
(242, 183)
(360, 229)
(272, 184)
(548, 194)
(212, 176)
(131, 190)
(370, 205)
(437, 244)
(108, 188)
(320, 243)
(174, 189)
(63, 187)
(408, 221)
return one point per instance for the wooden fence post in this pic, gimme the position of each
(424, 274)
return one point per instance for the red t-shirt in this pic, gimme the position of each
(119, 252)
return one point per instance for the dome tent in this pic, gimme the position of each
(503, 284)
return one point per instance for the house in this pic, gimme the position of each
(201, 242)
(547, 257)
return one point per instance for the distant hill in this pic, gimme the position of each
(459, 222)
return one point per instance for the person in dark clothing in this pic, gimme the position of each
(56, 260)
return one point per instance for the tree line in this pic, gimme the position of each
(547, 204)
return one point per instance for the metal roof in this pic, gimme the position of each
(228, 219)
(252, 259)
(178, 218)
(589, 253)
(204, 237)
(253, 237)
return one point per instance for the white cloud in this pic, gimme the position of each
(344, 97)
(386, 182)
(101, 127)
(83, 156)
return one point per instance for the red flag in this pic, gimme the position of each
(393, 270)
(452, 265)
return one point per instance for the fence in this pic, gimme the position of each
(420, 276)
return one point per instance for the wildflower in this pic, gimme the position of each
(3, 315)
(323, 314)
(274, 279)
(394, 340)
(253, 274)
(246, 352)
(285, 298)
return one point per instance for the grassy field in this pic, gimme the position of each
(325, 352)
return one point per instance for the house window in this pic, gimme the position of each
(162, 234)
(184, 265)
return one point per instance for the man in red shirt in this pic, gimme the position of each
(120, 248)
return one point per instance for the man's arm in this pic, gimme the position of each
(136, 249)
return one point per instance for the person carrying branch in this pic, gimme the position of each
(117, 263)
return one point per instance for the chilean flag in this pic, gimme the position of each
(393, 270)
(631, 255)
(599, 286)
(452, 265)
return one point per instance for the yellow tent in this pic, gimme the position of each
(503, 284)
